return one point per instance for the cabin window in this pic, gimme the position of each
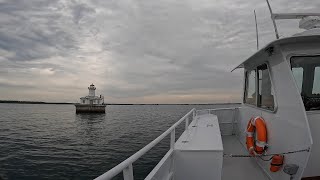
(306, 72)
(316, 81)
(258, 80)
(265, 98)
(298, 76)
(250, 93)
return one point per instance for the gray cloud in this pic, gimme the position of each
(134, 51)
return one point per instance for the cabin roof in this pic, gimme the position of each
(265, 50)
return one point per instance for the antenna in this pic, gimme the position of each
(257, 34)
(273, 20)
(278, 16)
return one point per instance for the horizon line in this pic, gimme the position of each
(43, 102)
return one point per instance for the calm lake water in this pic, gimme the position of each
(52, 142)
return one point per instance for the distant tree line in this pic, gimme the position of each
(31, 102)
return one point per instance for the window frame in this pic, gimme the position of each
(275, 108)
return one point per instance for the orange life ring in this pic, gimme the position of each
(256, 125)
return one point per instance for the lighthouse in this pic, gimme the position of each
(91, 103)
(92, 90)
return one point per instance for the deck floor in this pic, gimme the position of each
(239, 168)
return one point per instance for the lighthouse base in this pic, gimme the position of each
(90, 108)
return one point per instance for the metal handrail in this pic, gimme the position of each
(234, 120)
(216, 109)
(126, 165)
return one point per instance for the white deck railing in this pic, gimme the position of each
(126, 165)
(211, 111)
(227, 118)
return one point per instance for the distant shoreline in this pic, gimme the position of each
(31, 102)
(176, 104)
(119, 104)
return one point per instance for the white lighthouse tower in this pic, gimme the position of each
(92, 90)
(91, 103)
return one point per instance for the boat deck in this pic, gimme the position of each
(239, 167)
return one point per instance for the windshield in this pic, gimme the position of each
(306, 71)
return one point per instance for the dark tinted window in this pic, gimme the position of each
(306, 72)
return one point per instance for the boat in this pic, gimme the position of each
(274, 133)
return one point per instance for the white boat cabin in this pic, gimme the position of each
(282, 89)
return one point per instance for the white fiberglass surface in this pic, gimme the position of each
(239, 167)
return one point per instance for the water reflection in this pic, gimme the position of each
(89, 125)
(90, 117)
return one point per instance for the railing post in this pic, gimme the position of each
(193, 114)
(171, 171)
(235, 111)
(172, 138)
(128, 173)
(187, 122)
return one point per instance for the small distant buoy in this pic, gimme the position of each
(276, 163)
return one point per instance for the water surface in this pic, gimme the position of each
(52, 142)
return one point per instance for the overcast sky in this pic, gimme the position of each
(134, 51)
